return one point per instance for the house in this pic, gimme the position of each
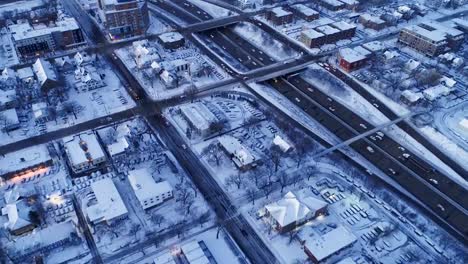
(240, 155)
(82, 58)
(409, 97)
(279, 16)
(332, 5)
(84, 152)
(8, 76)
(41, 112)
(9, 120)
(321, 247)
(372, 22)
(171, 40)
(350, 59)
(198, 117)
(435, 92)
(411, 65)
(144, 55)
(28, 160)
(8, 99)
(109, 207)
(148, 192)
(291, 211)
(17, 209)
(25, 74)
(64, 63)
(88, 78)
(42, 241)
(45, 74)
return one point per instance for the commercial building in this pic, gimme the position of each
(431, 38)
(109, 207)
(280, 16)
(171, 40)
(241, 156)
(347, 30)
(148, 192)
(123, 18)
(21, 162)
(373, 22)
(198, 117)
(291, 211)
(305, 12)
(195, 253)
(84, 152)
(42, 241)
(32, 40)
(321, 247)
(351, 59)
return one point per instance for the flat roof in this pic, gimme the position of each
(7, 96)
(170, 37)
(374, 46)
(75, 147)
(342, 25)
(11, 116)
(329, 243)
(280, 12)
(144, 185)
(373, 19)
(109, 203)
(351, 55)
(26, 31)
(305, 10)
(312, 34)
(24, 158)
(327, 30)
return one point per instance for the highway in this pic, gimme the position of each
(405, 126)
(446, 199)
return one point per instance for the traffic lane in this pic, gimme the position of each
(177, 12)
(438, 203)
(403, 125)
(195, 10)
(390, 146)
(210, 188)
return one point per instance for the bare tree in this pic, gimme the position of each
(310, 171)
(157, 219)
(267, 189)
(72, 107)
(295, 178)
(188, 204)
(251, 194)
(275, 156)
(283, 179)
(204, 217)
(235, 179)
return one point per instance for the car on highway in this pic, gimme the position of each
(184, 146)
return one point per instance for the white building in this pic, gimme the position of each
(148, 192)
(198, 117)
(24, 161)
(194, 253)
(292, 211)
(241, 156)
(84, 152)
(319, 248)
(144, 55)
(25, 74)
(9, 120)
(281, 143)
(433, 93)
(45, 74)
(40, 112)
(109, 207)
(88, 78)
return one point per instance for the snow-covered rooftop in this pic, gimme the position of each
(24, 73)
(170, 37)
(83, 147)
(7, 96)
(43, 238)
(198, 115)
(329, 243)
(351, 55)
(144, 185)
(374, 46)
(280, 12)
(194, 253)
(312, 34)
(26, 31)
(118, 147)
(411, 96)
(373, 19)
(342, 25)
(109, 203)
(25, 158)
(327, 30)
(432, 93)
(241, 155)
(281, 143)
(44, 71)
(291, 209)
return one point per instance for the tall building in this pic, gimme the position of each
(124, 18)
(31, 40)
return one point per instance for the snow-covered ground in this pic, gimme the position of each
(88, 105)
(213, 10)
(202, 71)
